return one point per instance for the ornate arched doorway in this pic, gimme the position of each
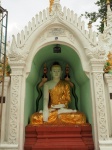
(34, 47)
(78, 76)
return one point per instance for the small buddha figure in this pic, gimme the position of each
(108, 65)
(56, 97)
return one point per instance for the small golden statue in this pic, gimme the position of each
(108, 64)
(7, 68)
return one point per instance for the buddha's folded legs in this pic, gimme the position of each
(55, 118)
(72, 118)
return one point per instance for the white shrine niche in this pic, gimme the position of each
(65, 27)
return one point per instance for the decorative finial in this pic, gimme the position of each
(108, 6)
(108, 2)
(51, 4)
(90, 24)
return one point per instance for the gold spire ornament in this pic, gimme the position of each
(51, 4)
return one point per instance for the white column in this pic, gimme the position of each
(16, 115)
(99, 101)
(108, 81)
(4, 109)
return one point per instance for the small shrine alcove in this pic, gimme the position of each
(77, 76)
(33, 48)
(68, 55)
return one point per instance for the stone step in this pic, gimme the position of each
(55, 137)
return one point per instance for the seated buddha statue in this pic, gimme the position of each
(56, 97)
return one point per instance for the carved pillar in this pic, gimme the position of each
(16, 114)
(97, 55)
(108, 81)
(99, 99)
(4, 108)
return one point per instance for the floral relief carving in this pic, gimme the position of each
(18, 55)
(71, 37)
(42, 38)
(97, 52)
(61, 32)
(100, 105)
(14, 110)
(56, 32)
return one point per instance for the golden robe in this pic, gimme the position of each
(60, 94)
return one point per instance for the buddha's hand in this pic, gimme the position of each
(75, 110)
(45, 115)
(65, 110)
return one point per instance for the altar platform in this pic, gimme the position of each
(54, 137)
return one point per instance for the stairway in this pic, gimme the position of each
(48, 137)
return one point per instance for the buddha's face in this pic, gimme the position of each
(56, 72)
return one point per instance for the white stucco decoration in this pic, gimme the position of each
(98, 51)
(107, 34)
(44, 19)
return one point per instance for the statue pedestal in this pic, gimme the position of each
(53, 137)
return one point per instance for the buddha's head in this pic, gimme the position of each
(56, 70)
